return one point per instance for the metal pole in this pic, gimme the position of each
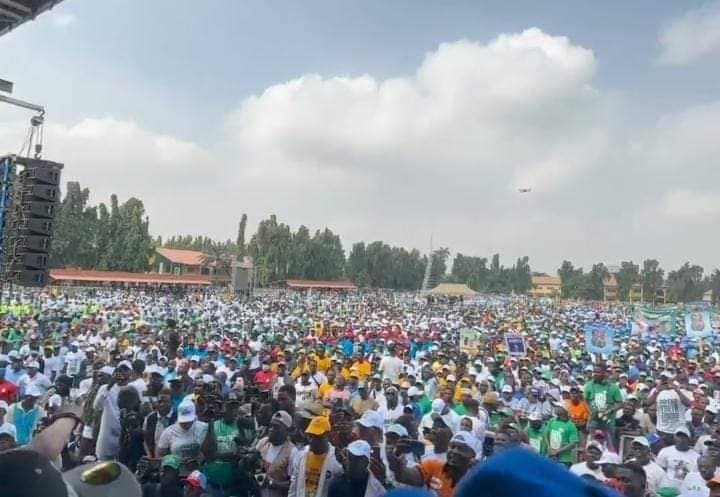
(22, 103)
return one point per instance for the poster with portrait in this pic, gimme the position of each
(698, 324)
(515, 345)
(599, 339)
(653, 323)
(469, 340)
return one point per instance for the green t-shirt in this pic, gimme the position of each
(460, 410)
(561, 433)
(601, 395)
(425, 404)
(223, 472)
(536, 439)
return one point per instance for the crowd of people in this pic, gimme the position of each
(328, 395)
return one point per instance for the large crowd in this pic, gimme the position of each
(129, 393)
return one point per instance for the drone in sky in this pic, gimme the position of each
(524, 190)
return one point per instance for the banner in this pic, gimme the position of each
(469, 340)
(599, 339)
(515, 345)
(651, 323)
(698, 324)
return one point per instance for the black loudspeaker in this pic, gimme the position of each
(241, 277)
(37, 197)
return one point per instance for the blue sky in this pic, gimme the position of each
(178, 78)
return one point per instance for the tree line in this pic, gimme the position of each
(116, 237)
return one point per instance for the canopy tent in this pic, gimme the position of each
(453, 290)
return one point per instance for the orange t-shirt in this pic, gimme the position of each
(579, 413)
(435, 478)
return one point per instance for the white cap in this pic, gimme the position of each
(283, 417)
(466, 438)
(451, 377)
(32, 364)
(413, 391)
(4, 405)
(108, 370)
(186, 412)
(372, 419)
(397, 429)
(54, 401)
(642, 441)
(126, 364)
(359, 448)
(683, 430)
(507, 389)
(7, 428)
(437, 406)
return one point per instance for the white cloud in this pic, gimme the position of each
(441, 151)
(64, 20)
(691, 204)
(693, 36)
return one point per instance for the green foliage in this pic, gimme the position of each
(474, 272)
(95, 237)
(652, 279)
(628, 276)
(572, 281)
(686, 283)
(381, 266)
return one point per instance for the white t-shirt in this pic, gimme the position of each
(391, 415)
(655, 475)
(305, 392)
(694, 482)
(391, 367)
(184, 443)
(677, 465)
(581, 469)
(670, 411)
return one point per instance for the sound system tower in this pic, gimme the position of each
(31, 221)
(241, 278)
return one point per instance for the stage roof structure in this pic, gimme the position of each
(13, 13)
(321, 284)
(453, 290)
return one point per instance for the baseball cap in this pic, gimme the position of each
(507, 389)
(413, 391)
(197, 479)
(372, 419)
(683, 430)
(124, 364)
(171, 461)
(186, 412)
(641, 441)
(318, 426)
(359, 448)
(466, 438)
(534, 417)
(437, 406)
(397, 429)
(8, 429)
(103, 479)
(4, 405)
(283, 417)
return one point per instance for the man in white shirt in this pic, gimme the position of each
(696, 482)
(678, 460)
(653, 472)
(671, 405)
(391, 366)
(591, 466)
(33, 377)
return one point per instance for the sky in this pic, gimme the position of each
(395, 121)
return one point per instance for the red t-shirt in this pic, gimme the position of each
(264, 380)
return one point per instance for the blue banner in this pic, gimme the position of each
(599, 339)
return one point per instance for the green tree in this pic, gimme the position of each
(270, 248)
(686, 283)
(438, 267)
(356, 267)
(327, 258)
(472, 271)
(571, 280)
(301, 254)
(595, 282)
(627, 276)
(75, 226)
(652, 279)
(714, 285)
(521, 275)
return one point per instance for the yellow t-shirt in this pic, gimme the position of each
(313, 467)
(345, 373)
(323, 364)
(324, 388)
(363, 368)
